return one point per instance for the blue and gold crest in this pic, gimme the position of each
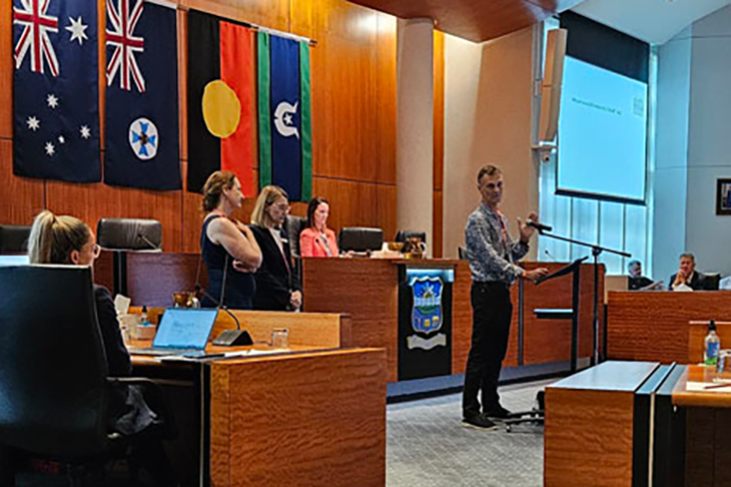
(426, 313)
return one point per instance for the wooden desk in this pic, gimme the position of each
(590, 425)
(708, 426)
(290, 419)
(655, 325)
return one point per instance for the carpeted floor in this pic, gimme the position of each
(428, 447)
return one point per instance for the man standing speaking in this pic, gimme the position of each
(492, 253)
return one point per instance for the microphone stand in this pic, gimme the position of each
(227, 338)
(596, 250)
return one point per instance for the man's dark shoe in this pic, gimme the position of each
(498, 413)
(479, 421)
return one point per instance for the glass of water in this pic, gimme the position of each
(280, 338)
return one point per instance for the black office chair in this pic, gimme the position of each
(712, 281)
(294, 225)
(55, 390)
(129, 234)
(404, 235)
(14, 239)
(360, 239)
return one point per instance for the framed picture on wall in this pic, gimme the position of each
(723, 197)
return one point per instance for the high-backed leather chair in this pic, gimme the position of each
(129, 234)
(14, 239)
(360, 239)
(404, 235)
(712, 281)
(294, 226)
(55, 390)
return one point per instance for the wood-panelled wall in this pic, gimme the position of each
(353, 124)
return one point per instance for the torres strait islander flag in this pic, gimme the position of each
(285, 137)
(220, 100)
(55, 90)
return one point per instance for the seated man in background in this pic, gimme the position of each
(638, 282)
(636, 279)
(687, 278)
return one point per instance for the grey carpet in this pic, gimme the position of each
(428, 447)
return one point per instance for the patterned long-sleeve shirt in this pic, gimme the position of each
(490, 249)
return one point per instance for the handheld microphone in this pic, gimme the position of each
(539, 226)
(149, 242)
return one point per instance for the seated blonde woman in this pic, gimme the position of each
(67, 240)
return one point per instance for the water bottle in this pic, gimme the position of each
(713, 344)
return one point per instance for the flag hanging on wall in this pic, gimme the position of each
(55, 90)
(141, 116)
(285, 136)
(220, 100)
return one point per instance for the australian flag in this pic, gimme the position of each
(142, 96)
(55, 90)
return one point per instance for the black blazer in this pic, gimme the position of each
(698, 282)
(275, 280)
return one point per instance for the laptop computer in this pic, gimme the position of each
(181, 331)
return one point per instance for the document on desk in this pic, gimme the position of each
(220, 356)
(708, 387)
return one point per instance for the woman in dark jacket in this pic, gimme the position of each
(68, 240)
(277, 287)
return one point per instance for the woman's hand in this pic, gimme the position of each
(241, 266)
(295, 300)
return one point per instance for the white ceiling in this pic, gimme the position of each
(654, 21)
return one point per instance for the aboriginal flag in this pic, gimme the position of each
(220, 100)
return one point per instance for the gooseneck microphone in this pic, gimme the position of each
(539, 226)
(228, 338)
(223, 308)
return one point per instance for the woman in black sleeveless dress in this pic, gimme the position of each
(228, 247)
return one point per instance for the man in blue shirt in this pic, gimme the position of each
(492, 254)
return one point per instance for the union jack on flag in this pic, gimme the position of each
(37, 24)
(122, 23)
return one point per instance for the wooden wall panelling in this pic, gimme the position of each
(367, 290)
(6, 70)
(300, 419)
(23, 198)
(270, 13)
(386, 100)
(438, 227)
(344, 73)
(654, 325)
(386, 205)
(351, 203)
(90, 202)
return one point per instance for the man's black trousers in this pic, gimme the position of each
(491, 314)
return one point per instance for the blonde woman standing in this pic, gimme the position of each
(277, 287)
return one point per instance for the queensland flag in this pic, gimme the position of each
(55, 90)
(142, 148)
(285, 137)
